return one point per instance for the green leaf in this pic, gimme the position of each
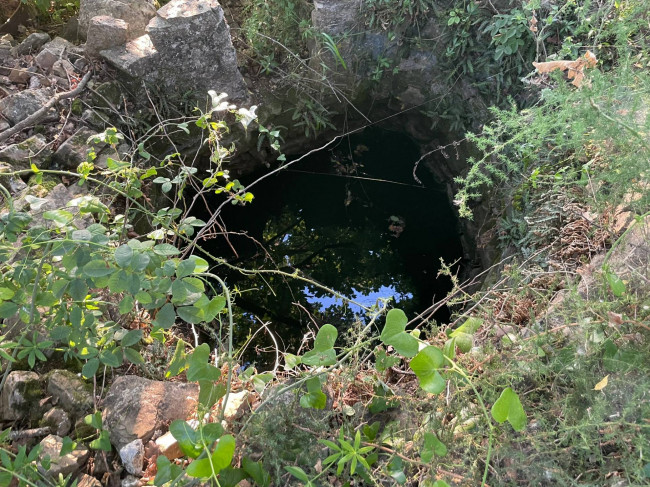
(178, 362)
(256, 471)
(133, 356)
(616, 285)
(210, 393)
(67, 446)
(223, 453)
(394, 335)
(131, 338)
(6, 293)
(126, 305)
(166, 471)
(185, 268)
(187, 437)
(60, 217)
(323, 352)
(432, 446)
(191, 314)
(165, 317)
(102, 443)
(111, 357)
(90, 368)
(508, 408)
(315, 397)
(166, 250)
(97, 268)
(297, 472)
(8, 309)
(470, 326)
(123, 256)
(199, 368)
(94, 420)
(425, 365)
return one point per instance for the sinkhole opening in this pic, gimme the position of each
(353, 219)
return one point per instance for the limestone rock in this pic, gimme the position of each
(70, 392)
(75, 149)
(105, 32)
(132, 455)
(17, 107)
(52, 52)
(6, 48)
(58, 420)
(32, 43)
(130, 481)
(237, 405)
(168, 445)
(66, 464)
(136, 12)
(63, 69)
(137, 58)
(31, 151)
(21, 392)
(186, 36)
(135, 407)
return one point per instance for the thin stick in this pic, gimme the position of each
(40, 113)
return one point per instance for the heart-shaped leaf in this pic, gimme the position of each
(323, 352)
(315, 397)
(394, 335)
(187, 437)
(432, 446)
(508, 408)
(426, 365)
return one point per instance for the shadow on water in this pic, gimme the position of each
(353, 219)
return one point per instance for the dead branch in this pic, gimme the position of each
(40, 113)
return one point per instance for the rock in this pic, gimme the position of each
(58, 420)
(132, 455)
(52, 52)
(137, 13)
(20, 395)
(186, 36)
(93, 119)
(65, 465)
(4, 125)
(130, 481)
(31, 44)
(19, 106)
(168, 445)
(69, 391)
(107, 95)
(200, 28)
(63, 68)
(19, 76)
(6, 48)
(105, 32)
(75, 149)
(31, 151)
(35, 83)
(237, 405)
(135, 407)
(85, 480)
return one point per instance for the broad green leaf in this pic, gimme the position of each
(470, 326)
(143, 297)
(112, 357)
(394, 335)
(166, 471)
(425, 365)
(140, 262)
(191, 314)
(133, 356)
(323, 352)
(185, 268)
(131, 338)
(126, 305)
(432, 446)
(123, 256)
(297, 472)
(508, 408)
(78, 289)
(90, 368)
(60, 217)
(256, 471)
(178, 362)
(315, 397)
(102, 443)
(165, 250)
(97, 268)
(8, 309)
(199, 368)
(165, 317)
(94, 420)
(6, 293)
(187, 437)
(210, 393)
(117, 282)
(616, 285)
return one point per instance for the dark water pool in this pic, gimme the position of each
(352, 218)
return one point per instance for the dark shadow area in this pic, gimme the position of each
(353, 219)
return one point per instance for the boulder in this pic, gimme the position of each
(136, 407)
(70, 392)
(75, 149)
(34, 150)
(6, 48)
(20, 395)
(65, 465)
(58, 420)
(17, 107)
(237, 405)
(52, 52)
(132, 456)
(168, 445)
(186, 36)
(32, 43)
(137, 13)
(105, 32)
